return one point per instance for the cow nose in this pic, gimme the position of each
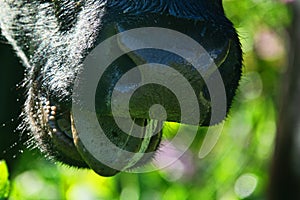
(135, 81)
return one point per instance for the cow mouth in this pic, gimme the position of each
(57, 129)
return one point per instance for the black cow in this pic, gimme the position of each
(53, 37)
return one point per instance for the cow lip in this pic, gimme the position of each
(125, 153)
(88, 158)
(60, 124)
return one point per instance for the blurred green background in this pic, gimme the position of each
(236, 168)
